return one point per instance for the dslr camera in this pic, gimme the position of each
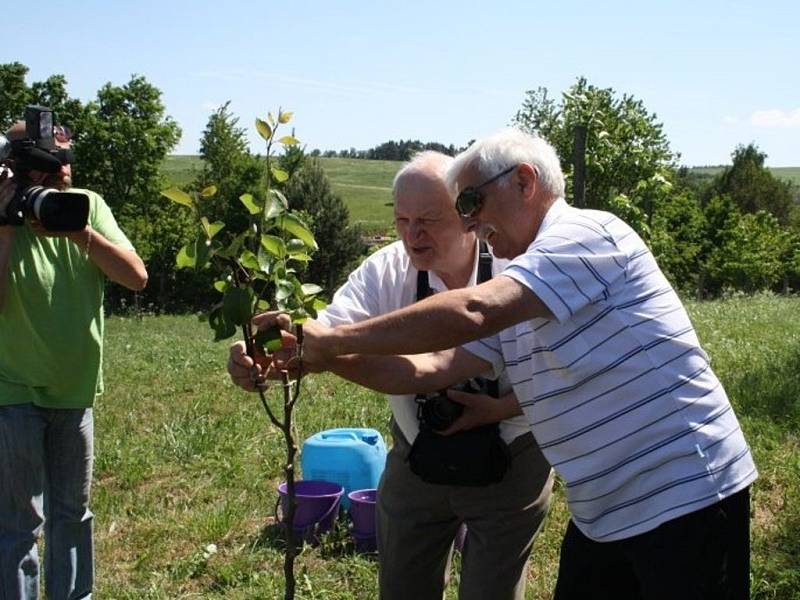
(37, 151)
(438, 412)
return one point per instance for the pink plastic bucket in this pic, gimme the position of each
(362, 513)
(317, 507)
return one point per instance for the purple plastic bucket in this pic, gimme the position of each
(317, 506)
(362, 513)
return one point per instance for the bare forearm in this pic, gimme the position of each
(507, 407)
(118, 264)
(390, 374)
(441, 321)
(412, 374)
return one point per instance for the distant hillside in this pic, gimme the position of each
(366, 185)
(787, 173)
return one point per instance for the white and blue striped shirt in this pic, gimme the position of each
(616, 388)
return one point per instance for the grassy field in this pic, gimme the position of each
(184, 460)
(364, 185)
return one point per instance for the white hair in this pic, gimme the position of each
(506, 148)
(428, 163)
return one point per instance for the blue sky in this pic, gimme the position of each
(356, 74)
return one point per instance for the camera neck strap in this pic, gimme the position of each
(484, 274)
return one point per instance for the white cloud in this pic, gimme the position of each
(730, 120)
(776, 118)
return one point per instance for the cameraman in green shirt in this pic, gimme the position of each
(51, 343)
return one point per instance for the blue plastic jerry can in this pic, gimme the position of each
(352, 457)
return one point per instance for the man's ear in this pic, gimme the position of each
(527, 177)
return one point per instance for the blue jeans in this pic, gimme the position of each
(45, 475)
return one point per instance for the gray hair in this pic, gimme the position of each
(506, 148)
(428, 163)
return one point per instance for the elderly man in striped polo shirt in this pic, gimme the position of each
(606, 366)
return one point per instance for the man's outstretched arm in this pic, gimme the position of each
(389, 374)
(444, 320)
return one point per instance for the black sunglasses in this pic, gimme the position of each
(470, 200)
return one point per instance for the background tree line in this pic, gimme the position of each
(391, 150)
(736, 231)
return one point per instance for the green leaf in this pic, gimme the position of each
(289, 140)
(312, 306)
(318, 304)
(280, 197)
(220, 285)
(265, 260)
(269, 339)
(295, 245)
(250, 204)
(274, 245)
(279, 175)
(212, 229)
(299, 316)
(284, 289)
(274, 208)
(270, 118)
(235, 245)
(179, 196)
(300, 257)
(295, 226)
(249, 260)
(262, 305)
(223, 329)
(209, 191)
(186, 258)
(284, 117)
(264, 130)
(309, 289)
(202, 252)
(237, 305)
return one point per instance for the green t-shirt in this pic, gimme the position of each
(51, 328)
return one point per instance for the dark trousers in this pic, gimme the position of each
(417, 522)
(702, 555)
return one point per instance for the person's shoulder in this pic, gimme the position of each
(94, 197)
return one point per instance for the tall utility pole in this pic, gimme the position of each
(579, 167)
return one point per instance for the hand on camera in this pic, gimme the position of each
(479, 409)
(7, 189)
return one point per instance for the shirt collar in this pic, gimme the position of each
(558, 208)
(436, 283)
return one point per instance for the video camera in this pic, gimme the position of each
(37, 151)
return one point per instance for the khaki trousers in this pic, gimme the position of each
(417, 521)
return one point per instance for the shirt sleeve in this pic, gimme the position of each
(102, 220)
(490, 350)
(570, 266)
(357, 300)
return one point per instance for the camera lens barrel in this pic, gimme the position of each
(439, 412)
(56, 210)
